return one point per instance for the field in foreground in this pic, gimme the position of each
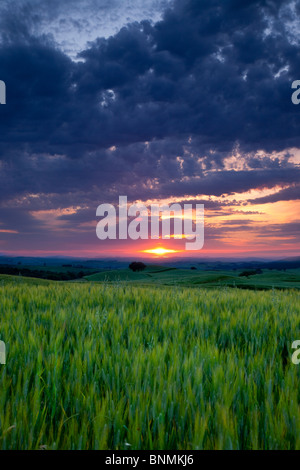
(125, 367)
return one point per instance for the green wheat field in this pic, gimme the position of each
(121, 366)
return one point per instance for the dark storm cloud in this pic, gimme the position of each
(72, 24)
(288, 194)
(20, 221)
(174, 99)
(230, 182)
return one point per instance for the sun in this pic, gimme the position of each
(160, 251)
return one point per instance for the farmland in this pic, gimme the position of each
(115, 365)
(162, 275)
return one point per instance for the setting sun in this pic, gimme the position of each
(160, 251)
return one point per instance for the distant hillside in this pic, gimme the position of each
(181, 263)
(59, 273)
(155, 275)
(244, 274)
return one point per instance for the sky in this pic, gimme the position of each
(185, 101)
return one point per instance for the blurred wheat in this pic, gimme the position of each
(118, 367)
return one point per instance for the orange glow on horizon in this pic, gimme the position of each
(160, 251)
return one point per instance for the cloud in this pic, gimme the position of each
(71, 25)
(288, 194)
(289, 231)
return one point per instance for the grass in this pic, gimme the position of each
(6, 279)
(113, 366)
